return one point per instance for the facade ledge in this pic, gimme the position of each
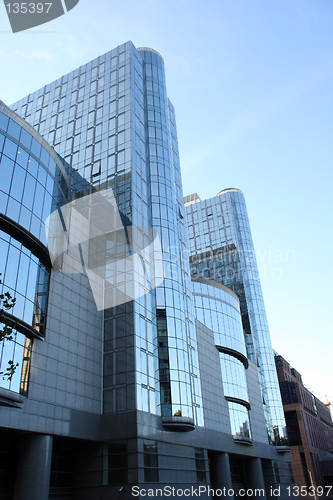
(22, 327)
(238, 401)
(243, 440)
(229, 190)
(235, 354)
(180, 424)
(283, 449)
(215, 284)
(10, 398)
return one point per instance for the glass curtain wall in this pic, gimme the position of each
(221, 249)
(217, 308)
(111, 121)
(173, 296)
(33, 184)
(94, 119)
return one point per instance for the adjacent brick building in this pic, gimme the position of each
(309, 427)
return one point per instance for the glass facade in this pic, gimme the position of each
(113, 124)
(116, 385)
(234, 377)
(19, 351)
(33, 184)
(239, 419)
(217, 307)
(26, 278)
(221, 249)
(173, 299)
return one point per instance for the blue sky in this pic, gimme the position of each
(251, 81)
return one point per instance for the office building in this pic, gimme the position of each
(221, 249)
(131, 385)
(310, 429)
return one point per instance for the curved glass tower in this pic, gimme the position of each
(177, 351)
(112, 122)
(33, 184)
(141, 373)
(221, 249)
(217, 307)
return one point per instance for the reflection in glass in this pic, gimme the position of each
(221, 249)
(239, 420)
(19, 351)
(164, 368)
(233, 377)
(118, 376)
(27, 279)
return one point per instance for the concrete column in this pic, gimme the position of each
(255, 475)
(221, 473)
(34, 468)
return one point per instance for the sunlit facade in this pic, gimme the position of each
(112, 121)
(160, 390)
(217, 307)
(33, 182)
(221, 249)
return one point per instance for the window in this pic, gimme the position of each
(63, 465)
(278, 360)
(200, 465)
(276, 472)
(115, 462)
(291, 472)
(294, 434)
(150, 454)
(239, 420)
(96, 169)
(19, 350)
(163, 358)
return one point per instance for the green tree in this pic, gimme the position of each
(7, 303)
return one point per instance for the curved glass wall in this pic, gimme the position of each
(239, 420)
(94, 118)
(233, 377)
(19, 351)
(235, 388)
(257, 318)
(177, 354)
(218, 309)
(25, 277)
(118, 131)
(221, 225)
(33, 184)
